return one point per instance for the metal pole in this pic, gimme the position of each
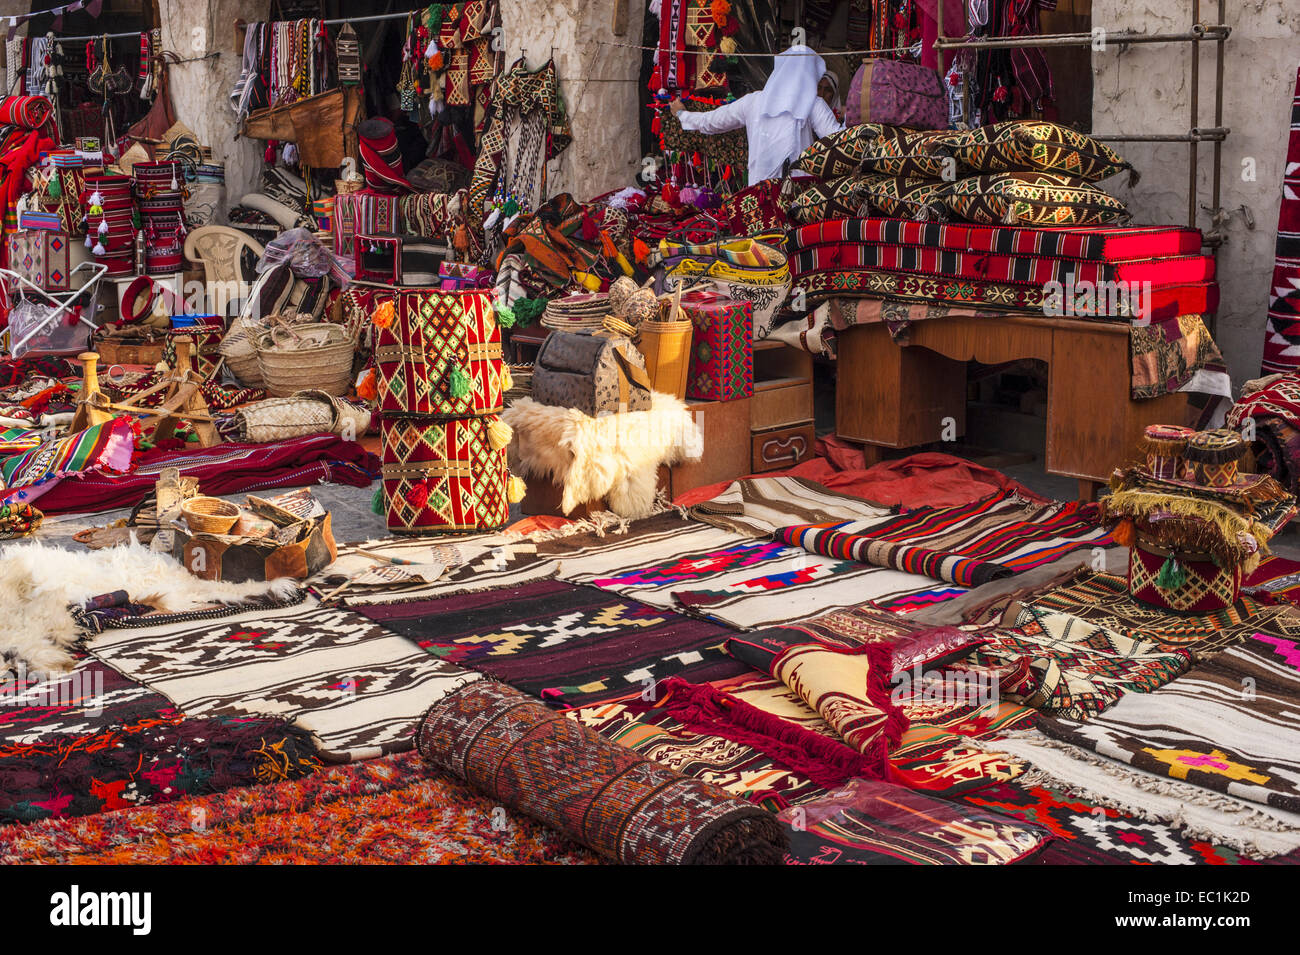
(1209, 34)
(1218, 116)
(1192, 150)
(1211, 134)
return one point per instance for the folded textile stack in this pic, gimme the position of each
(1153, 273)
(1194, 531)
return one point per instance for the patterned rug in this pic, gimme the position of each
(1250, 828)
(1104, 600)
(394, 810)
(969, 544)
(1231, 725)
(564, 643)
(1282, 338)
(876, 823)
(90, 698)
(1072, 667)
(757, 507)
(531, 758)
(358, 690)
(739, 581)
(1088, 833)
(147, 761)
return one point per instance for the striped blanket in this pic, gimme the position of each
(1231, 725)
(969, 544)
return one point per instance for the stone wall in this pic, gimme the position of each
(598, 82)
(1145, 89)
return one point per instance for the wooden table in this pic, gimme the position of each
(900, 395)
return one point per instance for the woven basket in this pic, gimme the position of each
(209, 515)
(241, 355)
(306, 357)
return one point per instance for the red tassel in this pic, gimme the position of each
(418, 495)
(460, 239)
(589, 231)
(656, 125)
(726, 172)
(269, 155)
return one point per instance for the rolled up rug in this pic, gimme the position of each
(607, 797)
(381, 157)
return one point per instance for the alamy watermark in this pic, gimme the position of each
(81, 689)
(1092, 299)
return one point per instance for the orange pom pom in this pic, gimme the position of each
(367, 389)
(435, 62)
(1124, 533)
(384, 315)
(720, 9)
(640, 251)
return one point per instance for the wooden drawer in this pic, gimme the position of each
(780, 448)
(780, 402)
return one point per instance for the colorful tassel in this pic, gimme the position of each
(377, 500)
(418, 494)
(460, 239)
(499, 434)
(384, 315)
(506, 381)
(727, 46)
(99, 249)
(1124, 534)
(459, 382)
(1172, 575)
(506, 316)
(54, 190)
(367, 387)
(515, 489)
(640, 251)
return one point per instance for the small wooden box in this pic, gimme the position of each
(725, 428)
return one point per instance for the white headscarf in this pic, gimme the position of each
(792, 87)
(782, 126)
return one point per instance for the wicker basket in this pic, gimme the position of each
(209, 515)
(241, 358)
(305, 357)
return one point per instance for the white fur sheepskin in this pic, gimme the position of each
(615, 456)
(37, 584)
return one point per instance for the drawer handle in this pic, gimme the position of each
(777, 450)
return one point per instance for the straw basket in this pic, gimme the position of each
(241, 358)
(667, 350)
(307, 356)
(209, 515)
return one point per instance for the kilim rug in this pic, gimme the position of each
(968, 545)
(1232, 725)
(1104, 600)
(89, 699)
(758, 506)
(868, 822)
(147, 761)
(626, 808)
(1249, 828)
(1088, 833)
(359, 690)
(1282, 338)
(564, 643)
(742, 582)
(393, 810)
(1070, 667)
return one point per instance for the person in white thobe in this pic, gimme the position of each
(780, 121)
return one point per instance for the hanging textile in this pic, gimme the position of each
(1282, 335)
(530, 127)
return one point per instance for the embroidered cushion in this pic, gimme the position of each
(1032, 198)
(839, 154)
(900, 152)
(1035, 145)
(917, 199)
(835, 199)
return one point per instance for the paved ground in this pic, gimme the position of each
(354, 521)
